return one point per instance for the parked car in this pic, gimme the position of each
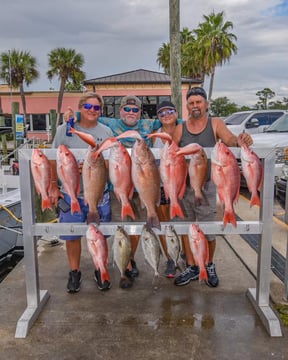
(281, 186)
(276, 137)
(252, 122)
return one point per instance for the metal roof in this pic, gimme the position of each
(139, 76)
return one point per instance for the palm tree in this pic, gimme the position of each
(66, 64)
(163, 57)
(215, 44)
(16, 69)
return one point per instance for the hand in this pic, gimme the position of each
(68, 114)
(244, 138)
(54, 193)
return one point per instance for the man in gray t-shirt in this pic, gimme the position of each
(90, 107)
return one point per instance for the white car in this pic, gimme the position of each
(252, 122)
(275, 137)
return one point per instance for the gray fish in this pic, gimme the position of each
(121, 249)
(150, 243)
(173, 243)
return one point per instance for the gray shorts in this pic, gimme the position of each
(200, 212)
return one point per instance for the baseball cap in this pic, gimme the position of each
(165, 105)
(130, 100)
(196, 91)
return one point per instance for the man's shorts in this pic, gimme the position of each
(206, 211)
(104, 209)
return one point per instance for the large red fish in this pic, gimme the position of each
(252, 170)
(173, 172)
(145, 177)
(197, 169)
(225, 174)
(41, 172)
(98, 249)
(68, 173)
(199, 247)
(120, 174)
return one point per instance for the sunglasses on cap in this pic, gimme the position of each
(166, 112)
(128, 109)
(196, 91)
(88, 106)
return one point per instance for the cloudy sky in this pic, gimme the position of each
(116, 36)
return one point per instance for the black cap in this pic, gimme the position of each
(165, 105)
(196, 91)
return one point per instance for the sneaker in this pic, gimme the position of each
(189, 274)
(101, 286)
(213, 280)
(74, 281)
(170, 271)
(134, 272)
(126, 282)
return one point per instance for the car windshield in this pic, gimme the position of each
(236, 119)
(280, 125)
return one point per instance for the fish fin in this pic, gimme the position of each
(93, 217)
(75, 206)
(255, 200)
(46, 204)
(127, 210)
(229, 217)
(176, 210)
(131, 192)
(182, 190)
(153, 222)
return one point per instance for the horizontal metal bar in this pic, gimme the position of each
(135, 228)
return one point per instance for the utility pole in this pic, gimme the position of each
(175, 55)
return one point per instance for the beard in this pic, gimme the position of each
(196, 113)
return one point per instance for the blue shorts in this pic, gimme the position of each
(104, 209)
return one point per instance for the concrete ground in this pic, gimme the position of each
(149, 321)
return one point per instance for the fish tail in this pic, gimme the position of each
(176, 210)
(255, 200)
(46, 204)
(203, 276)
(153, 222)
(75, 206)
(229, 217)
(127, 211)
(104, 274)
(93, 217)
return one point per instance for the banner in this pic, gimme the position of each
(19, 127)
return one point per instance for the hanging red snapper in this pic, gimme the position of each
(41, 172)
(98, 249)
(252, 170)
(68, 173)
(120, 174)
(199, 247)
(225, 174)
(145, 177)
(197, 169)
(173, 172)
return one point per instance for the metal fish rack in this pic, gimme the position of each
(36, 298)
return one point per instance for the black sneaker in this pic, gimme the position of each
(74, 281)
(134, 272)
(126, 282)
(101, 286)
(170, 270)
(189, 274)
(213, 280)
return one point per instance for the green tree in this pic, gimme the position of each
(264, 95)
(16, 69)
(66, 64)
(215, 44)
(222, 107)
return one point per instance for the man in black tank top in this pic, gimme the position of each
(201, 129)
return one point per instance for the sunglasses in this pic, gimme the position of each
(128, 109)
(166, 112)
(88, 106)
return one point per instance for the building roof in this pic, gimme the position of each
(139, 76)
